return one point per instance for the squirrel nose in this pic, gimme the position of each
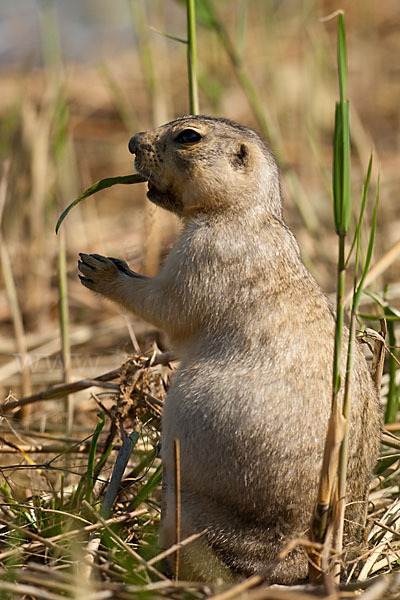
(137, 143)
(133, 143)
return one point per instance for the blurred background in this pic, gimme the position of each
(78, 78)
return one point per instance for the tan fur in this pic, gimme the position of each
(251, 399)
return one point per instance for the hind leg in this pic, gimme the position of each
(197, 560)
(233, 546)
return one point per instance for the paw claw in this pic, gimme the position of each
(121, 266)
(85, 280)
(93, 261)
(82, 265)
(99, 257)
(103, 274)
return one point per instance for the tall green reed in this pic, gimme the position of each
(148, 62)
(260, 110)
(341, 196)
(358, 287)
(52, 59)
(337, 441)
(192, 57)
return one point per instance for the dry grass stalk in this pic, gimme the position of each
(388, 584)
(59, 391)
(176, 547)
(46, 343)
(38, 593)
(378, 358)
(286, 594)
(86, 567)
(381, 538)
(13, 300)
(239, 589)
(39, 449)
(66, 535)
(392, 427)
(125, 546)
(380, 267)
(327, 485)
(177, 458)
(37, 138)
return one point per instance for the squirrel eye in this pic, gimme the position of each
(188, 136)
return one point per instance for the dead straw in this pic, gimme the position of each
(177, 461)
(13, 300)
(60, 390)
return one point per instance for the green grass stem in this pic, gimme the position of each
(362, 209)
(150, 72)
(147, 488)
(144, 48)
(91, 460)
(357, 292)
(259, 110)
(248, 87)
(242, 27)
(369, 317)
(126, 112)
(64, 330)
(50, 36)
(97, 187)
(342, 58)
(392, 406)
(341, 210)
(192, 57)
(341, 198)
(87, 482)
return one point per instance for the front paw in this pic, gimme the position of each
(102, 274)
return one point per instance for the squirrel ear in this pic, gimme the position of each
(240, 157)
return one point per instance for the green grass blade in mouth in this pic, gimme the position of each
(97, 187)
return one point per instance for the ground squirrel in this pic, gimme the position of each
(254, 332)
